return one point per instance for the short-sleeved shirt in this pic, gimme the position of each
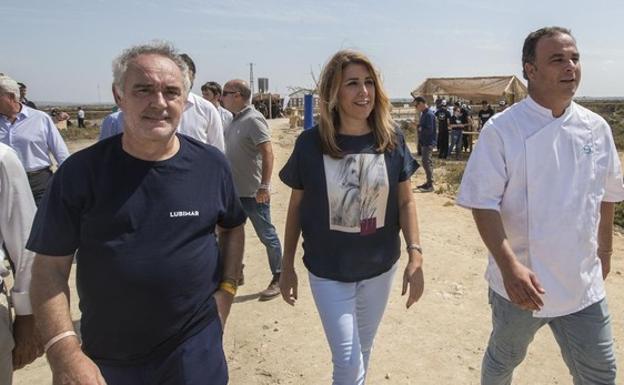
(247, 130)
(461, 119)
(349, 213)
(443, 115)
(484, 115)
(147, 261)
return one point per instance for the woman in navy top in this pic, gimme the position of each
(351, 196)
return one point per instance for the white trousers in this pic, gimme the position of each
(350, 313)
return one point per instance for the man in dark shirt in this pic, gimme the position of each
(23, 100)
(485, 113)
(443, 116)
(458, 123)
(427, 140)
(141, 210)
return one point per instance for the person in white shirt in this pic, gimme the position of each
(19, 344)
(211, 91)
(200, 119)
(81, 118)
(542, 185)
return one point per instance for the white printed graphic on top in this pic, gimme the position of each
(357, 191)
(174, 214)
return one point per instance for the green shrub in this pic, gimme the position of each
(449, 176)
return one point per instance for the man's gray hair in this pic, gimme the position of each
(120, 64)
(9, 86)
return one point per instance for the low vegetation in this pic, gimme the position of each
(75, 133)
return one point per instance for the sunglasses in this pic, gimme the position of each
(226, 93)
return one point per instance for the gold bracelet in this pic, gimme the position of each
(228, 287)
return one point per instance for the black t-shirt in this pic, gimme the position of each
(147, 260)
(443, 115)
(461, 119)
(484, 115)
(349, 213)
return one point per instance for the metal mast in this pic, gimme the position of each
(251, 78)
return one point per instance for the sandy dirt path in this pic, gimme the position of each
(439, 341)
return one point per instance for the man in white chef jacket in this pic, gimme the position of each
(541, 184)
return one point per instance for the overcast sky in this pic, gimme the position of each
(63, 49)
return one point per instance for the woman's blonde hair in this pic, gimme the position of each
(380, 119)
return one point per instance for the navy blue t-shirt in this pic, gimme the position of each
(147, 261)
(349, 213)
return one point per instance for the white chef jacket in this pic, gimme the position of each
(17, 210)
(547, 177)
(202, 121)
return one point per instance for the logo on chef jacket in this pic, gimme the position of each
(175, 214)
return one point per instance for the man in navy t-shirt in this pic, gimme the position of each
(141, 212)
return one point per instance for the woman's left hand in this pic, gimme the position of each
(413, 276)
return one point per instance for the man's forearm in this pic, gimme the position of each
(605, 232)
(232, 246)
(266, 152)
(490, 226)
(49, 294)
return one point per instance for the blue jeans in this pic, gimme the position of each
(197, 361)
(351, 313)
(584, 337)
(456, 141)
(260, 216)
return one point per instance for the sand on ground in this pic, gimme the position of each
(439, 341)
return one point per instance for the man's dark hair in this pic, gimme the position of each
(213, 87)
(419, 99)
(21, 85)
(189, 62)
(530, 43)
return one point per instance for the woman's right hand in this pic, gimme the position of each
(288, 285)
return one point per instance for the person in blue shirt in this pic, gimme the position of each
(427, 140)
(351, 196)
(33, 136)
